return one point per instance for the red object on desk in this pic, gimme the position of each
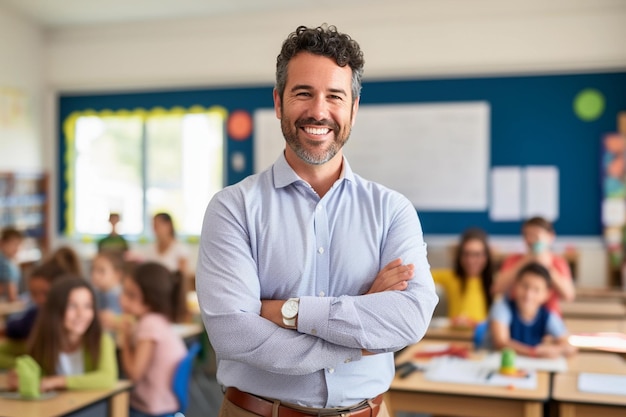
(458, 351)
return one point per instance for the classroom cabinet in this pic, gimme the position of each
(24, 205)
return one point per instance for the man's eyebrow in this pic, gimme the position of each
(301, 87)
(308, 88)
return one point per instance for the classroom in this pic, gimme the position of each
(502, 123)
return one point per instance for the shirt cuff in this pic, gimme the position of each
(313, 314)
(313, 318)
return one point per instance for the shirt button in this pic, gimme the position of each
(320, 207)
(320, 250)
(322, 293)
(314, 332)
(331, 370)
(347, 360)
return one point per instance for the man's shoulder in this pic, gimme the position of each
(251, 183)
(378, 190)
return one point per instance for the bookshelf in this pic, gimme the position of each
(24, 205)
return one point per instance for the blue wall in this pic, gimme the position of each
(532, 123)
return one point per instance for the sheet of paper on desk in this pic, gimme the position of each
(526, 363)
(463, 371)
(602, 383)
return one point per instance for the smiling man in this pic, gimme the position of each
(309, 276)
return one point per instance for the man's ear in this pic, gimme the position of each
(355, 109)
(277, 104)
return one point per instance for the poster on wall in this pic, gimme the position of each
(614, 196)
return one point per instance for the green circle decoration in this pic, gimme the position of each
(589, 104)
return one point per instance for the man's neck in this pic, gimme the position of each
(320, 177)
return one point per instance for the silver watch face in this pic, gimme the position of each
(290, 309)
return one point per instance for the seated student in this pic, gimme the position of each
(538, 235)
(107, 272)
(151, 351)
(68, 342)
(467, 285)
(19, 327)
(523, 323)
(167, 249)
(68, 259)
(113, 242)
(10, 275)
(63, 260)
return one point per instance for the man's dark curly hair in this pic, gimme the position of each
(325, 41)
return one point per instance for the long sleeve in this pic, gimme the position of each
(230, 296)
(271, 237)
(386, 321)
(101, 375)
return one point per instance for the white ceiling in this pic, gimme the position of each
(64, 13)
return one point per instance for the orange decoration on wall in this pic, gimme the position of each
(239, 125)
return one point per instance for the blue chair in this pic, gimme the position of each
(182, 375)
(479, 333)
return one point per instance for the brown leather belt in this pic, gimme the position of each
(263, 407)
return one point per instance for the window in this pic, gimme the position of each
(141, 163)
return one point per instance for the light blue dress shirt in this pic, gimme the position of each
(272, 237)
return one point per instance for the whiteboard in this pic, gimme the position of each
(436, 154)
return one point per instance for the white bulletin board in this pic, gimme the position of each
(436, 154)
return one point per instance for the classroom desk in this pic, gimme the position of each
(594, 325)
(113, 402)
(574, 403)
(441, 329)
(596, 362)
(593, 310)
(600, 294)
(416, 394)
(188, 330)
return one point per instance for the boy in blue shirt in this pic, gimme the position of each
(523, 323)
(10, 274)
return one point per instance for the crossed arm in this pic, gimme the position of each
(393, 277)
(391, 314)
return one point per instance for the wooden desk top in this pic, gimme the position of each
(417, 383)
(565, 389)
(576, 325)
(187, 330)
(65, 402)
(606, 363)
(591, 309)
(441, 329)
(599, 294)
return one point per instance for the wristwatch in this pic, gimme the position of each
(289, 311)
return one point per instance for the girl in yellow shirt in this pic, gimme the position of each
(467, 285)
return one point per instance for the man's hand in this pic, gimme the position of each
(270, 310)
(393, 277)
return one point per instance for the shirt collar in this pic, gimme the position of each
(284, 175)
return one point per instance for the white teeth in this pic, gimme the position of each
(316, 130)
